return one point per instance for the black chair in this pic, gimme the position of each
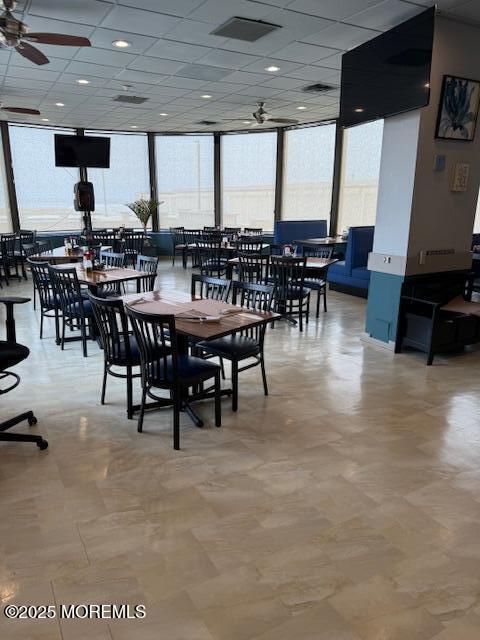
(191, 237)
(25, 246)
(118, 344)
(247, 344)
(164, 368)
(77, 311)
(292, 298)
(11, 354)
(178, 244)
(210, 258)
(9, 259)
(49, 302)
(110, 239)
(149, 266)
(211, 288)
(253, 267)
(253, 231)
(133, 246)
(112, 259)
(215, 229)
(318, 284)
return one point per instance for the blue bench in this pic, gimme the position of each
(351, 275)
(286, 231)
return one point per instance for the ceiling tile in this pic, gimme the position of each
(202, 72)
(195, 32)
(104, 37)
(471, 10)
(155, 65)
(332, 9)
(283, 83)
(342, 36)
(86, 69)
(177, 51)
(260, 91)
(306, 53)
(145, 23)
(311, 73)
(216, 12)
(243, 77)
(77, 11)
(183, 83)
(385, 15)
(261, 65)
(131, 75)
(227, 59)
(172, 7)
(104, 57)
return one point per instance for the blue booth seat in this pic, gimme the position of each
(286, 231)
(351, 275)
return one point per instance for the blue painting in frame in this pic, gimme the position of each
(458, 111)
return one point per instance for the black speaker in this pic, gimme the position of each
(84, 197)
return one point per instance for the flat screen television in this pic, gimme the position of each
(389, 74)
(82, 151)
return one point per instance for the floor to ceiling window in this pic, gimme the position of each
(185, 180)
(126, 180)
(360, 174)
(5, 218)
(248, 179)
(308, 173)
(44, 191)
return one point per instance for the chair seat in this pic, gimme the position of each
(292, 293)
(315, 284)
(234, 347)
(87, 308)
(11, 353)
(191, 371)
(122, 359)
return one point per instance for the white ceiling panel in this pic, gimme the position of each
(86, 69)
(332, 9)
(172, 7)
(104, 57)
(217, 11)
(283, 83)
(195, 32)
(311, 73)
(130, 75)
(181, 51)
(227, 59)
(342, 36)
(77, 11)
(156, 65)
(183, 83)
(104, 37)
(385, 15)
(243, 77)
(259, 92)
(147, 23)
(306, 53)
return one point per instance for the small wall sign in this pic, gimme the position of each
(460, 177)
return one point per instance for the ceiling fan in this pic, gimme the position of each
(261, 116)
(15, 34)
(28, 112)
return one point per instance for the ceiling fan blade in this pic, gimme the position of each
(8, 4)
(28, 112)
(283, 120)
(58, 38)
(31, 53)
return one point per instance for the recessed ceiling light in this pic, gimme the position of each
(359, 110)
(83, 81)
(133, 126)
(301, 108)
(272, 68)
(427, 85)
(121, 44)
(59, 104)
(45, 120)
(247, 121)
(163, 114)
(206, 96)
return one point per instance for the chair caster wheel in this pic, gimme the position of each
(32, 421)
(42, 445)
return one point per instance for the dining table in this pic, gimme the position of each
(95, 279)
(197, 319)
(314, 267)
(60, 255)
(318, 243)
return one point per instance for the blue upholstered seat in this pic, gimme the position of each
(353, 272)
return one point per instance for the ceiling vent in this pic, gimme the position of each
(207, 123)
(130, 99)
(318, 87)
(244, 29)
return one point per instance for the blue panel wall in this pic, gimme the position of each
(383, 305)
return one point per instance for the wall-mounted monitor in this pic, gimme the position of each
(82, 151)
(389, 74)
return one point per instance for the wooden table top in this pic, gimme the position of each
(312, 263)
(321, 242)
(109, 275)
(177, 302)
(59, 255)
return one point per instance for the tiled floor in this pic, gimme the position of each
(345, 506)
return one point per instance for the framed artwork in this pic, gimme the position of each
(458, 110)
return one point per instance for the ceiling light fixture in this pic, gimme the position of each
(121, 44)
(301, 108)
(133, 126)
(83, 81)
(206, 96)
(45, 120)
(272, 68)
(163, 114)
(247, 121)
(59, 104)
(359, 110)
(427, 85)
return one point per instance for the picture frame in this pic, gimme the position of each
(458, 109)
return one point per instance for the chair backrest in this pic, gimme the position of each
(359, 245)
(210, 229)
(157, 343)
(253, 267)
(317, 252)
(253, 231)
(178, 236)
(209, 256)
(67, 288)
(287, 272)
(111, 259)
(134, 241)
(7, 244)
(42, 283)
(231, 231)
(256, 297)
(112, 324)
(192, 235)
(25, 238)
(248, 245)
(212, 288)
(149, 266)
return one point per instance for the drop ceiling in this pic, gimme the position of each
(174, 60)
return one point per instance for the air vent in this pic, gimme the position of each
(318, 87)
(130, 99)
(206, 123)
(244, 29)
